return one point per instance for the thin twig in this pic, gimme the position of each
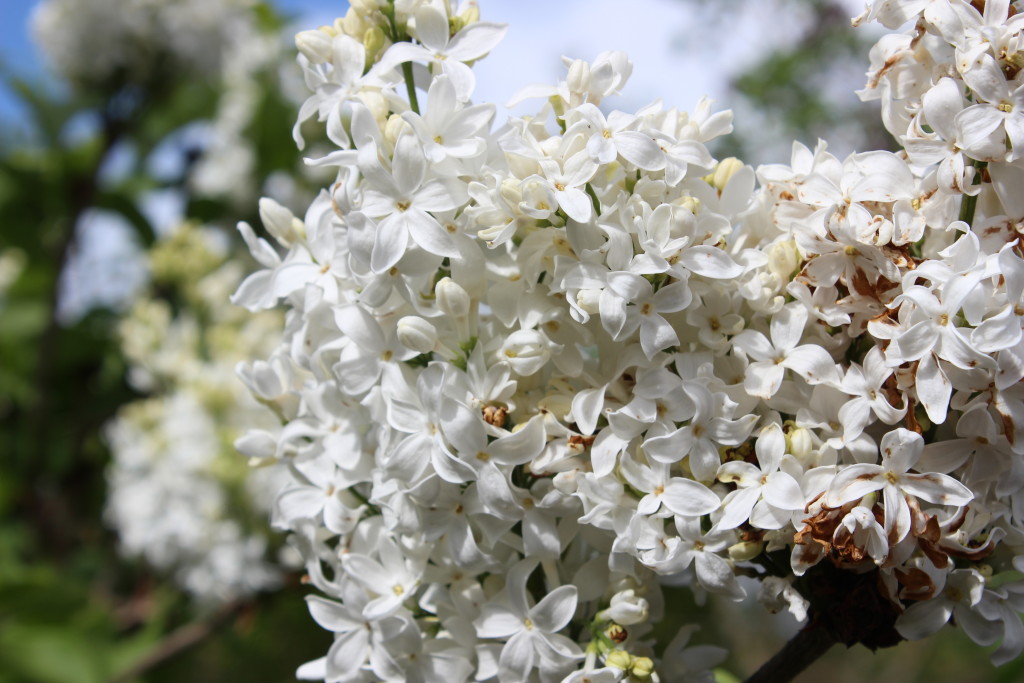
(182, 639)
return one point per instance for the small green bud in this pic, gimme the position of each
(373, 41)
(745, 550)
(643, 667)
(620, 659)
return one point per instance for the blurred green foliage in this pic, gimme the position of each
(71, 608)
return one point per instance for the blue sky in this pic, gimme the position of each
(19, 54)
(677, 54)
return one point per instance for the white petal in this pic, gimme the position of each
(640, 150)
(688, 498)
(555, 610)
(853, 483)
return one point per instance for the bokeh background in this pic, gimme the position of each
(134, 543)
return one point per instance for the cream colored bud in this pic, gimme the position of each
(628, 608)
(355, 24)
(643, 667)
(578, 79)
(557, 105)
(567, 482)
(559, 405)
(725, 170)
(394, 127)
(620, 659)
(280, 222)
(526, 351)
(589, 300)
(869, 500)
(364, 7)
(452, 298)
(373, 41)
(800, 443)
(417, 334)
(691, 204)
(511, 191)
(470, 15)
(783, 259)
(316, 45)
(377, 105)
(745, 551)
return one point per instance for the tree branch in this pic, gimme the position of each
(801, 651)
(182, 639)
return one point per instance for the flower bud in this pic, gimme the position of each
(365, 7)
(620, 659)
(452, 298)
(354, 24)
(470, 15)
(643, 667)
(725, 170)
(783, 259)
(315, 45)
(377, 105)
(578, 78)
(417, 334)
(567, 482)
(628, 608)
(589, 300)
(527, 351)
(800, 443)
(280, 222)
(691, 204)
(745, 551)
(373, 41)
(394, 127)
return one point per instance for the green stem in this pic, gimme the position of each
(410, 84)
(969, 203)
(593, 198)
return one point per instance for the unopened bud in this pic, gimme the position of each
(373, 41)
(589, 300)
(417, 334)
(394, 127)
(567, 482)
(315, 45)
(470, 15)
(578, 78)
(691, 204)
(628, 608)
(354, 23)
(783, 259)
(745, 551)
(725, 170)
(364, 6)
(620, 659)
(377, 105)
(643, 667)
(452, 298)
(280, 222)
(511, 191)
(526, 351)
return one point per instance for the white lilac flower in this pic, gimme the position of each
(901, 450)
(520, 365)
